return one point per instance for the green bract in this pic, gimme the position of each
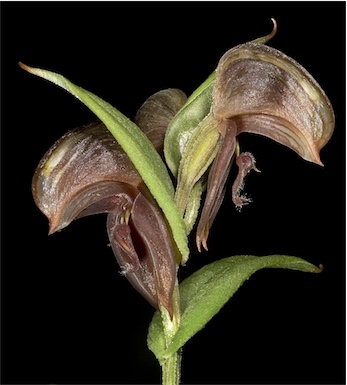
(207, 290)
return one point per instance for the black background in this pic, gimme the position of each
(67, 314)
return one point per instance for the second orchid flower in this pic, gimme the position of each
(257, 89)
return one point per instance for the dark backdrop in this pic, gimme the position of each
(67, 314)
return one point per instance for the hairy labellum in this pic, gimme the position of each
(86, 172)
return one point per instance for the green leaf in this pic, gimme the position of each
(156, 337)
(206, 291)
(137, 146)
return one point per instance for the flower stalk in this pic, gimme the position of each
(171, 365)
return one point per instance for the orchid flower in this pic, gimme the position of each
(87, 172)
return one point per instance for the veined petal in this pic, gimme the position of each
(155, 114)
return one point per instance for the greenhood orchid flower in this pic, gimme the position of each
(257, 89)
(86, 172)
(260, 90)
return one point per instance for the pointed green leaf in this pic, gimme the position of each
(137, 146)
(206, 291)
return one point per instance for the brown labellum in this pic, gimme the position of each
(260, 90)
(86, 172)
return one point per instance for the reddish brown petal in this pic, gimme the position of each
(143, 248)
(216, 182)
(154, 116)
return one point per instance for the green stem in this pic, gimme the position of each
(171, 366)
(171, 369)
